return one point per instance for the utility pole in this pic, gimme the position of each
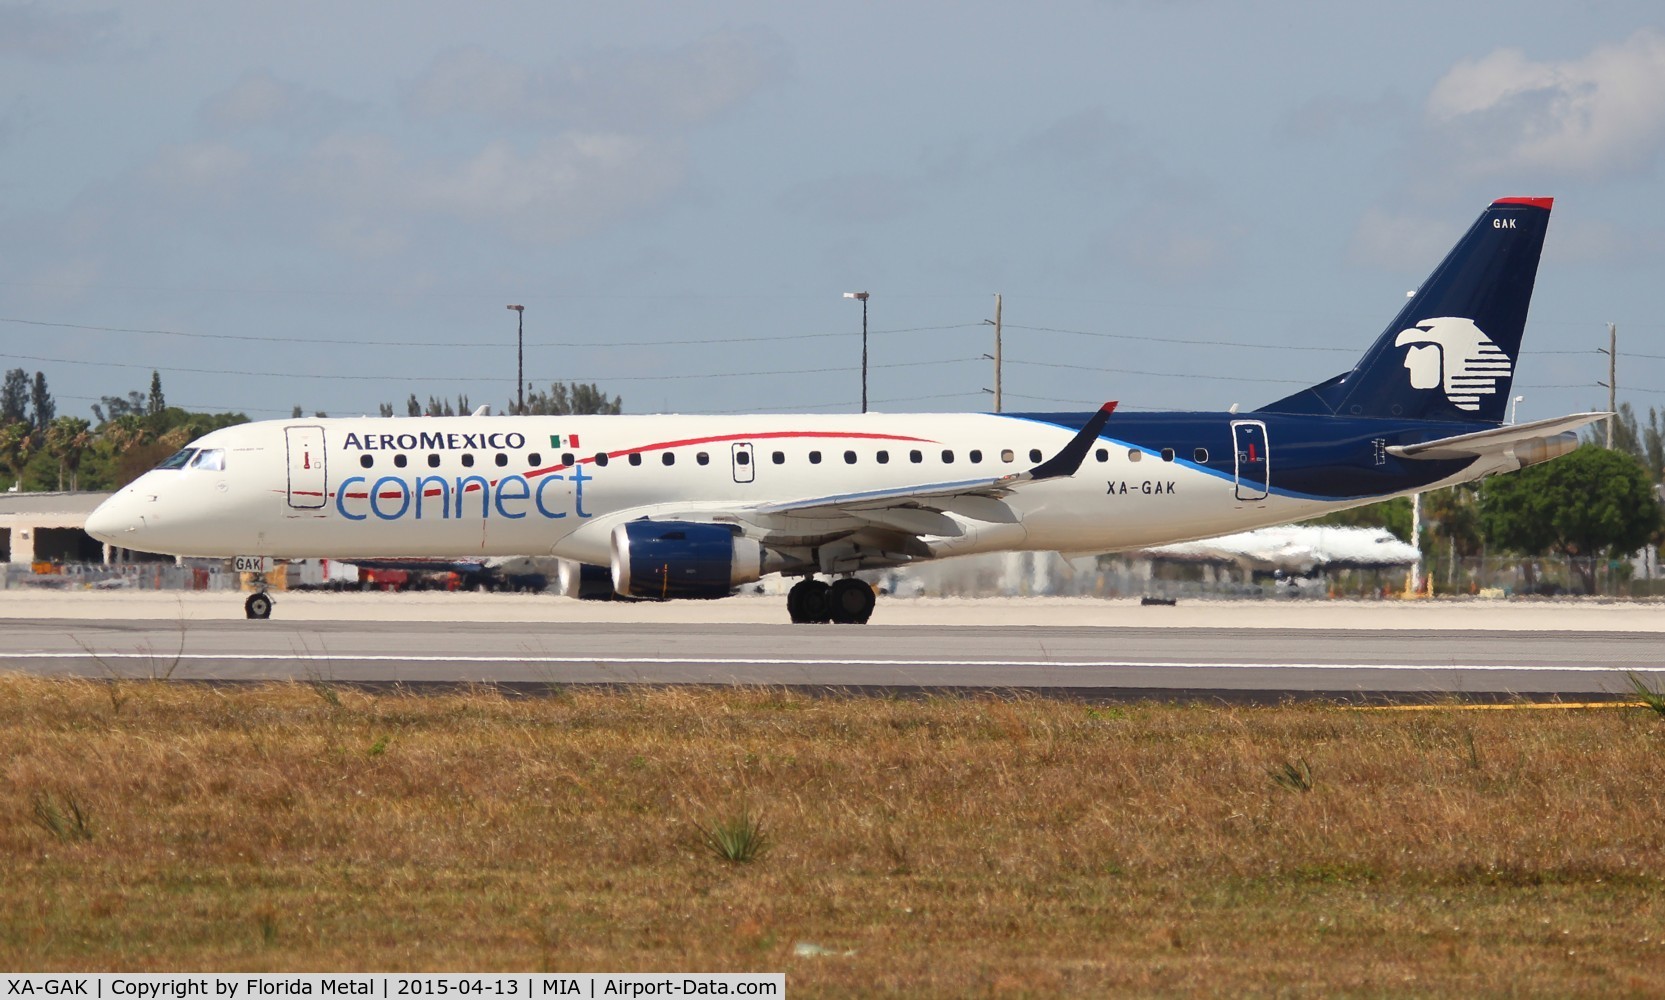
(997, 352)
(1612, 377)
(520, 356)
(863, 297)
(995, 357)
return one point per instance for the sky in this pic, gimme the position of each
(1184, 204)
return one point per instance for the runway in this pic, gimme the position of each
(636, 646)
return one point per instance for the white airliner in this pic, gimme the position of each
(663, 507)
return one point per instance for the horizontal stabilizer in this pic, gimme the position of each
(1496, 440)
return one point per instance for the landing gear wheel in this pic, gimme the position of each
(806, 602)
(852, 601)
(258, 606)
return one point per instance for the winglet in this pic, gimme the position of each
(1071, 456)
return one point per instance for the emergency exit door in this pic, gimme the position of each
(1254, 459)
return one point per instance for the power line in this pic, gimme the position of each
(471, 345)
(478, 378)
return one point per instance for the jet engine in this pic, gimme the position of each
(583, 581)
(666, 560)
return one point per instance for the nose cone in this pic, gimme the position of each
(114, 521)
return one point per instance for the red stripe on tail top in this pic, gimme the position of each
(1544, 203)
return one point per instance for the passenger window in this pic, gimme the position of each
(1200, 455)
(779, 457)
(399, 461)
(601, 458)
(849, 458)
(916, 456)
(1034, 454)
(976, 455)
(1103, 454)
(433, 460)
(742, 458)
(178, 460)
(1167, 454)
(1008, 455)
(947, 457)
(211, 459)
(1135, 455)
(635, 458)
(468, 461)
(502, 460)
(814, 458)
(536, 458)
(702, 458)
(883, 457)
(367, 461)
(567, 458)
(670, 458)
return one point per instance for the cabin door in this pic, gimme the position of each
(1254, 459)
(308, 484)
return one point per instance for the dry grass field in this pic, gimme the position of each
(940, 847)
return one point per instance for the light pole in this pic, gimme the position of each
(520, 356)
(863, 297)
(1514, 408)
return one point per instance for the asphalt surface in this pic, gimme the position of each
(1095, 661)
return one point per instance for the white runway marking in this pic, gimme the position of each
(654, 661)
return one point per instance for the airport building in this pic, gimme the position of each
(51, 528)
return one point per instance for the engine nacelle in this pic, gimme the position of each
(667, 560)
(1545, 448)
(583, 581)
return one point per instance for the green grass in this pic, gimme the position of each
(936, 847)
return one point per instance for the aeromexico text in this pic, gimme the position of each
(433, 441)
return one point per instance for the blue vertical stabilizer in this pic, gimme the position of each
(1451, 353)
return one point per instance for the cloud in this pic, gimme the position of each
(1402, 242)
(33, 31)
(1325, 117)
(861, 198)
(261, 100)
(1596, 115)
(611, 89)
(558, 189)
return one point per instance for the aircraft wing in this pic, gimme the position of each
(968, 496)
(1497, 440)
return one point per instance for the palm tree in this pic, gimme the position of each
(67, 439)
(15, 447)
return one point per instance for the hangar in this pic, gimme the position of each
(51, 527)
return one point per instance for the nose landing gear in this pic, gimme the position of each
(258, 606)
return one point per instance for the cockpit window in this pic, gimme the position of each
(179, 459)
(212, 459)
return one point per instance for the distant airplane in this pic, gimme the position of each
(663, 507)
(1297, 549)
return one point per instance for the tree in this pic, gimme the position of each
(1394, 515)
(15, 448)
(14, 397)
(413, 407)
(387, 409)
(40, 402)
(156, 402)
(67, 440)
(112, 408)
(570, 399)
(1592, 503)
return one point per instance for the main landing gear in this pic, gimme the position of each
(845, 602)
